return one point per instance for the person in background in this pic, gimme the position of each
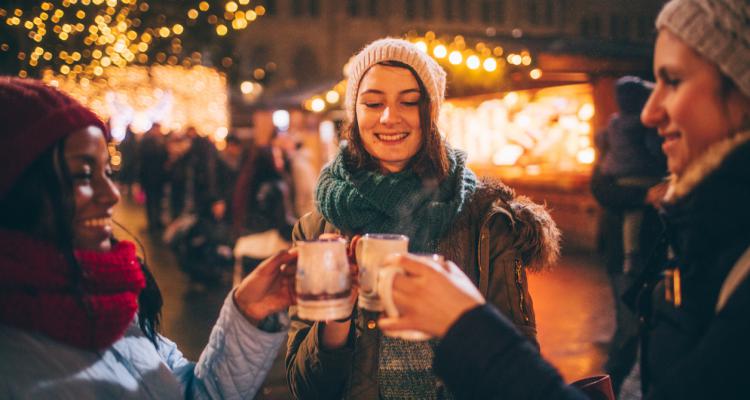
(395, 174)
(628, 183)
(695, 307)
(152, 174)
(79, 311)
(263, 206)
(128, 173)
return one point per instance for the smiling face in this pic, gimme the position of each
(387, 111)
(93, 190)
(690, 106)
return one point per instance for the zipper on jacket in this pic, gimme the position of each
(519, 287)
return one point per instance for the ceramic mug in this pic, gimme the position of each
(323, 281)
(371, 250)
(385, 291)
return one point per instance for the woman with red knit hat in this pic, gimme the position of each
(79, 312)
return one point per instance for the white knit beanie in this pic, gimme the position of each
(719, 30)
(392, 49)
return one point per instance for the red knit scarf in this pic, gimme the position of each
(38, 292)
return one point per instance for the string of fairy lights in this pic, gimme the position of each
(80, 39)
(479, 65)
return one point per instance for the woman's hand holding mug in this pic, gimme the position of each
(428, 298)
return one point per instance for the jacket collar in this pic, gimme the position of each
(703, 166)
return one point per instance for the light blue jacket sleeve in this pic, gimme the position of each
(235, 362)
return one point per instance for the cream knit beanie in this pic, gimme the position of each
(719, 30)
(392, 49)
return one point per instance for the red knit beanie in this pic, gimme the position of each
(34, 117)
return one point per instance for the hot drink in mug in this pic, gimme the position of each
(371, 250)
(323, 282)
(385, 292)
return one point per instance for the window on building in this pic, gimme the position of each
(313, 8)
(352, 8)
(296, 8)
(269, 5)
(372, 8)
(411, 9)
(427, 9)
(533, 10)
(305, 67)
(619, 27)
(549, 13)
(596, 26)
(645, 27)
(464, 10)
(492, 11)
(448, 10)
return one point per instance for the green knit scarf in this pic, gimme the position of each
(370, 202)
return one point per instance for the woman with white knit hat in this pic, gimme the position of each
(694, 310)
(396, 174)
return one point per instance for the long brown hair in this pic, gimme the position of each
(431, 161)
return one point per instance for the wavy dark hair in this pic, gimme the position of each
(41, 204)
(430, 162)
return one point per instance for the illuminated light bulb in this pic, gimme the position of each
(586, 156)
(455, 58)
(526, 60)
(422, 46)
(163, 31)
(490, 65)
(515, 59)
(177, 29)
(231, 7)
(246, 87)
(584, 141)
(440, 51)
(203, 6)
(511, 99)
(586, 112)
(259, 73)
(106, 61)
(142, 47)
(535, 73)
(473, 62)
(332, 96)
(507, 155)
(318, 105)
(260, 10)
(192, 13)
(244, 2)
(251, 15)
(64, 70)
(221, 30)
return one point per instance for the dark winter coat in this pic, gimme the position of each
(690, 351)
(494, 240)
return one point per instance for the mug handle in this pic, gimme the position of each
(385, 289)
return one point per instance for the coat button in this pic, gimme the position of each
(371, 324)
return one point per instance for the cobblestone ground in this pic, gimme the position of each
(573, 306)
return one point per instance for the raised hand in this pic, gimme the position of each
(269, 288)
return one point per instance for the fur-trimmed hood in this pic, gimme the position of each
(537, 237)
(704, 166)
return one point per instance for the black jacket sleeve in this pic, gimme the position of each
(484, 357)
(609, 194)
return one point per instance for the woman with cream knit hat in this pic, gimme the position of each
(396, 174)
(694, 310)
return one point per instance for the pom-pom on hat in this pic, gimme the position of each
(34, 116)
(429, 71)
